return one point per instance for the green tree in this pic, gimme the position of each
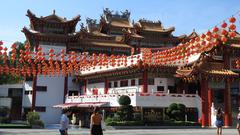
(8, 78)
(176, 111)
(125, 111)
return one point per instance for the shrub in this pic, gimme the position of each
(173, 123)
(5, 120)
(125, 123)
(109, 119)
(124, 100)
(33, 118)
(176, 111)
(38, 123)
(125, 112)
(4, 111)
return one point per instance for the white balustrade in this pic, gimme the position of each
(155, 99)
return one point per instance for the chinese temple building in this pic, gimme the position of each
(200, 77)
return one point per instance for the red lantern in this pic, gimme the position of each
(203, 36)
(232, 34)
(223, 39)
(208, 33)
(232, 27)
(215, 29)
(232, 19)
(224, 32)
(224, 24)
(215, 35)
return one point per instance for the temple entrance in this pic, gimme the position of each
(16, 107)
(218, 98)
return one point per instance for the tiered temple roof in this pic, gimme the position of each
(113, 24)
(53, 20)
(114, 30)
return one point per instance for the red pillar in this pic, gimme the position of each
(106, 86)
(34, 87)
(145, 81)
(209, 106)
(65, 87)
(227, 104)
(227, 92)
(204, 96)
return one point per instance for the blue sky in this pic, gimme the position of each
(184, 15)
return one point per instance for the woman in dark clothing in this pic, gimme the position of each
(219, 121)
(95, 125)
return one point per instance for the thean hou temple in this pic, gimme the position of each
(147, 63)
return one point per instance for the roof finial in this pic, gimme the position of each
(194, 30)
(54, 11)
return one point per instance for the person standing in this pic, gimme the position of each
(219, 121)
(95, 122)
(64, 122)
(238, 122)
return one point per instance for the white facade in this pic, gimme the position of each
(53, 95)
(153, 98)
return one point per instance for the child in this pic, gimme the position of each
(219, 121)
(238, 122)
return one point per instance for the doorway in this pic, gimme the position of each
(218, 98)
(16, 108)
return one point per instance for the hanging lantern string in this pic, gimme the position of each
(86, 63)
(226, 19)
(169, 52)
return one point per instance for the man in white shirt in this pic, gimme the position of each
(64, 122)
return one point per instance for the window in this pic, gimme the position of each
(28, 92)
(123, 83)
(133, 82)
(41, 88)
(140, 81)
(40, 109)
(73, 93)
(151, 81)
(160, 88)
(115, 84)
(15, 92)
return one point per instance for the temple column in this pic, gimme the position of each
(65, 87)
(34, 85)
(209, 106)
(227, 92)
(204, 96)
(227, 104)
(34, 88)
(106, 85)
(145, 81)
(85, 86)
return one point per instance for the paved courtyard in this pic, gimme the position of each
(119, 132)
